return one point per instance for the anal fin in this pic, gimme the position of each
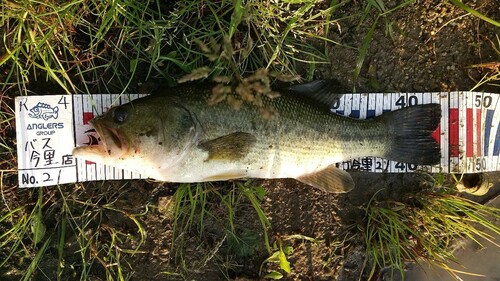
(331, 179)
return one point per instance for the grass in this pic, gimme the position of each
(491, 69)
(280, 253)
(83, 45)
(256, 34)
(7, 129)
(423, 228)
(475, 12)
(208, 212)
(197, 208)
(59, 221)
(93, 46)
(381, 11)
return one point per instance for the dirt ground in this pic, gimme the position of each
(432, 48)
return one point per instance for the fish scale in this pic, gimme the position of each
(313, 142)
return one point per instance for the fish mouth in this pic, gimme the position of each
(114, 144)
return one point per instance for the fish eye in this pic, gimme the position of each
(119, 115)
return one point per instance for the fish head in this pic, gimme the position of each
(115, 128)
(35, 110)
(146, 135)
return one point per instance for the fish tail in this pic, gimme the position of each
(410, 132)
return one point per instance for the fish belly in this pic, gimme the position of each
(264, 161)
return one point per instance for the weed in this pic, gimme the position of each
(475, 13)
(32, 237)
(210, 212)
(492, 75)
(423, 228)
(241, 37)
(279, 255)
(99, 240)
(8, 160)
(89, 45)
(255, 194)
(243, 51)
(378, 8)
(336, 251)
(79, 44)
(26, 232)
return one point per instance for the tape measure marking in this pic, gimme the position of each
(465, 134)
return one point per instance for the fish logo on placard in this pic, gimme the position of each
(43, 111)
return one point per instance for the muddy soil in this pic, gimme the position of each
(432, 47)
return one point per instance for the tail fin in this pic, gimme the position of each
(410, 131)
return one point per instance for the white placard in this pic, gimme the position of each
(45, 139)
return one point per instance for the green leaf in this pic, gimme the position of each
(238, 11)
(274, 257)
(30, 270)
(288, 250)
(274, 275)
(37, 227)
(133, 65)
(284, 263)
(260, 192)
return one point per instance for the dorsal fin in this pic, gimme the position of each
(324, 93)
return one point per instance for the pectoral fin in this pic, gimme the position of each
(229, 147)
(331, 179)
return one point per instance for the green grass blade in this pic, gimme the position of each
(34, 263)
(362, 53)
(475, 13)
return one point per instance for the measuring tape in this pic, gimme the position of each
(48, 127)
(469, 131)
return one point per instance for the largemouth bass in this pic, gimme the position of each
(175, 136)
